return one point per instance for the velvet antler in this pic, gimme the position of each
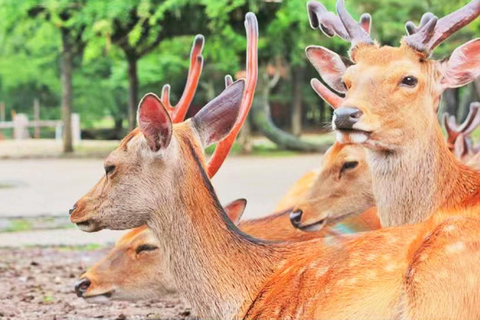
(179, 111)
(432, 31)
(224, 146)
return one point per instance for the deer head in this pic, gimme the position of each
(135, 268)
(391, 99)
(385, 87)
(342, 188)
(154, 153)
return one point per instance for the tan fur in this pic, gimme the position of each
(413, 172)
(337, 193)
(225, 274)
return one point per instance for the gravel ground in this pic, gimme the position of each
(37, 283)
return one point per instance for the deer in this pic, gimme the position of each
(128, 271)
(158, 176)
(134, 269)
(205, 250)
(413, 172)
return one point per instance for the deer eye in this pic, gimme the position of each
(146, 247)
(349, 165)
(409, 81)
(109, 170)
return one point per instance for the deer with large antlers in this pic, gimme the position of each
(391, 99)
(158, 176)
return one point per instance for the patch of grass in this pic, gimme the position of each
(17, 225)
(48, 299)
(88, 247)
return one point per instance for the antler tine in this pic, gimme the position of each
(446, 122)
(228, 80)
(194, 72)
(326, 94)
(472, 120)
(411, 28)
(332, 25)
(460, 147)
(165, 98)
(354, 29)
(429, 36)
(224, 146)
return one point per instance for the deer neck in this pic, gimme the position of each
(216, 267)
(417, 180)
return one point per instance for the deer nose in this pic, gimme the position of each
(346, 117)
(73, 209)
(296, 217)
(82, 286)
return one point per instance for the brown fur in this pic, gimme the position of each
(361, 277)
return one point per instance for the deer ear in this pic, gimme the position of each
(214, 121)
(329, 65)
(235, 210)
(463, 66)
(154, 122)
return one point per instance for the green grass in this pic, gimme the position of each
(88, 247)
(17, 225)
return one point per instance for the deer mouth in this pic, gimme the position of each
(315, 226)
(352, 136)
(325, 222)
(88, 226)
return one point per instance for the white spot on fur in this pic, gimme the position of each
(450, 228)
(321, 272)
(390, 267)
(371, 257)
(456, 247)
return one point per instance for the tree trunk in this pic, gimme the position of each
(297, 77)
(132, 60)
(67, 89)
(450, 99)
(263, 122)
(245, 137)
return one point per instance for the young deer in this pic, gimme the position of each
(158, 176)
(391, 99)
(135, 268)
(341, 191)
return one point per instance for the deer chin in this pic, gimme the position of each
(104, 298)
(89, 226)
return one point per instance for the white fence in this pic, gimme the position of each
(20, 125)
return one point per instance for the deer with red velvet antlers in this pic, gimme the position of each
(158, 176)
(391, 99)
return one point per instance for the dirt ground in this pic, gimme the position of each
(38, 283)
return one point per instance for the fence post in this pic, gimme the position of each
(2, 111)
(36, 118)
(20, 126)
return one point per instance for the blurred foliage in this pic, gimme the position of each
(30, 46)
